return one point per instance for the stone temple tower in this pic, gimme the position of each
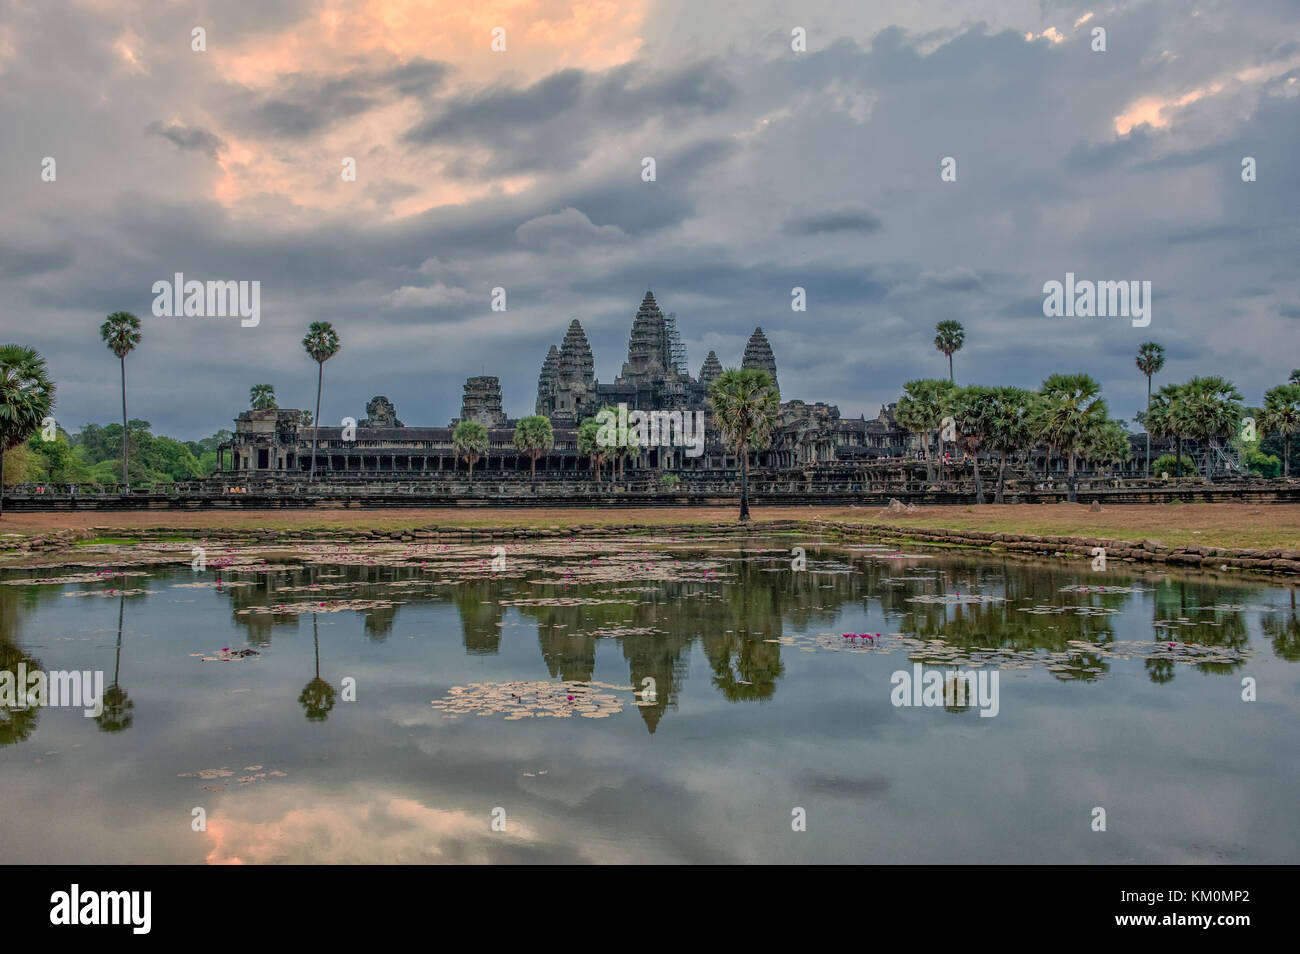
(649, 351)
(758, 354)
(710, 370)
(482, 401)
(566, 388)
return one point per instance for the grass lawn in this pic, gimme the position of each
(1220, 524)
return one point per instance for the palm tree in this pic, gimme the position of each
(1166, 419)
(589, 443)
(921, 409)
(745, 406)
(1072, 409)
(262, 397)
(1012, 419)
(949, 337)
(974, 411)
(630, 446)
(26, 396)
(1213, 411)
(470, 441)
(121, 333)
(1282, 416)
(534, 436)
(317, 698)
(322, 343)
(1108, 444)
(1150, 359)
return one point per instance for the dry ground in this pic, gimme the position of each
(1218, 524)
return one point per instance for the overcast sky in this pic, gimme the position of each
(522, 169)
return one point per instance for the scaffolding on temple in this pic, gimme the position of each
(676, 348)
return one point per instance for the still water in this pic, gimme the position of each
(652, 700)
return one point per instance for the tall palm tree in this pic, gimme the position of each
(317, 697)
(322, 343)
(26, 396)
(949, 337)
(1072, 409)
(534, 436)
(470, 441)
(1281, 416)
(1213, 411)
(121, 333)
(262, 397)
(1150, 359)
(1012, 424)
(974, 411)
(745, 407)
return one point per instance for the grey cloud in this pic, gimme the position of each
(187, 138)
(835, 220)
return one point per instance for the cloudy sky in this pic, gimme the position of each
(522, 169)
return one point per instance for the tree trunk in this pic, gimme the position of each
(1002, 469)
(533, 461)
(1209, 462)
(951, 379)
(1069, 476)
(126, 480)
(744, 480)
(1178, 468)
(1286, 460)
(315, 421)
(1146, 426)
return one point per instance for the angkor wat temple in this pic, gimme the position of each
(654, 378)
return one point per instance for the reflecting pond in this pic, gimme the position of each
(646, 700)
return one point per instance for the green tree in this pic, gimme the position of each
(470, 441)
(26, 396)
(921, 409)
(534, 436)
(322, 343)
(974, 412)
(590, 444)
(1282, 416)
(1150, 359)
(1212, 408)
(745, 407)
(1167, 418)
(1072, 409)
(1012, 426)
(949, 337)
(262, 397)
(121, 333)
(1108, 444)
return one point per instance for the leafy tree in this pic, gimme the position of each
(534, 436)
(26, 396)
(1168, 418)
(589, 443)
(1212, 410)
(974, 412)
(1072, 409)
(262, 397)
(322, 343)
(949, 337)
(1150, 359)
(745, 407)
(1108, 444)
(921, 409)
(1012, 426)
(1282, 416)
(121, 333)
(470, 441)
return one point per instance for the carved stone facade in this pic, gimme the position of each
(380, 413)
(652, 379)
(482, 401)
